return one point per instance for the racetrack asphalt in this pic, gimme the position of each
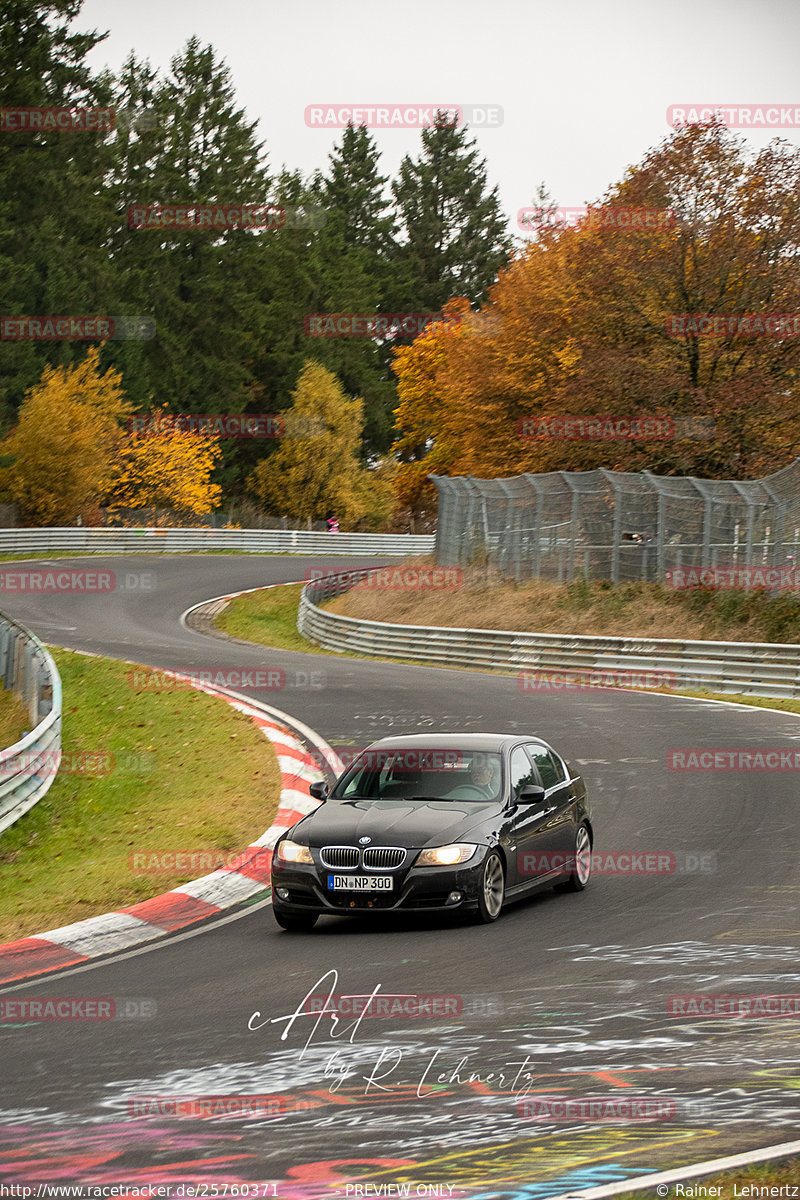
(565, 998)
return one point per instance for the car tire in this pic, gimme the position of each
(582, 857)
(492, 889)
(295, 922)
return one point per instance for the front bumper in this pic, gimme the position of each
(415, 889)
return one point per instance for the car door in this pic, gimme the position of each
(530, 826)
(560, 797)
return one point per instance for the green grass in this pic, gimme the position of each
(785, 704)
(269, 618)
(782, 1173)
(142, 772)
(14, 718)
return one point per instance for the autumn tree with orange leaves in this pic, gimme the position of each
(581, 324)
(65, 442)
(75, 448)
(161, 466)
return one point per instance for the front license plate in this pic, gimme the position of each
(360, 883)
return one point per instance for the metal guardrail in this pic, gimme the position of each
(557, 661)
(111, 540)
(29, 766)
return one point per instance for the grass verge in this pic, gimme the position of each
(14, 719)
(269, 618)
(142, 772)
(480, 600)
(783, 1174)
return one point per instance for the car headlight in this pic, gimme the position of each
(446, 856)
(293, 852)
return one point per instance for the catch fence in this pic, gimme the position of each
(619, 525)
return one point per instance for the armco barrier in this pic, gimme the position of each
(81, 540)
(28, 768)
(750, 668)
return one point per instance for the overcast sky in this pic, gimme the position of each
(584, 85)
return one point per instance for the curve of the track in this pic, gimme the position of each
(565, 997)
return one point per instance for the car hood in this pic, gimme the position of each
(409, 823)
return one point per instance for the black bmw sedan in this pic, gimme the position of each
(437, 823)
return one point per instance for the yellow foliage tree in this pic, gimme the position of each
(317, 467)
(65, 442)
(159, 466)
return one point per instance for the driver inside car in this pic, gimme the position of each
(486, 776)
(483, 778)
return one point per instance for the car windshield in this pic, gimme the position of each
(422, 774)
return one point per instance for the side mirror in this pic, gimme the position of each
(319, 790)
(531, 793)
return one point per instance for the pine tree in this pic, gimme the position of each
(54, 211)
(355, 248)
(288, 289)
(354, 196)
(137, 148)
(200, 285)
(454, 231)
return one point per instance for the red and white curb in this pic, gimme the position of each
(201, 898)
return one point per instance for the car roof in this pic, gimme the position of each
(458, 741)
